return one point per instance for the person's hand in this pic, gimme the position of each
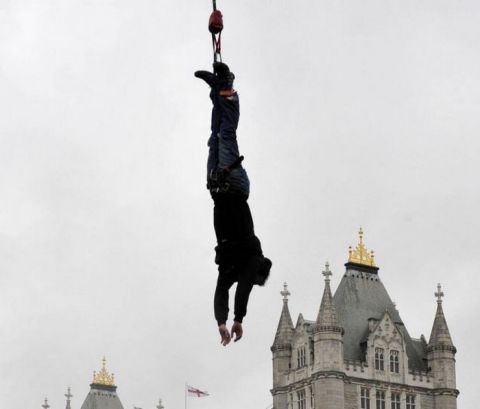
(237, 330)
(224, 334)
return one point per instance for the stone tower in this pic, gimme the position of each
(103, 392)
(441, 359)
(358, 353)
(282, 353)
(328, 386)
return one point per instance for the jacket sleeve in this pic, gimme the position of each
(246, 280)
(220, 301)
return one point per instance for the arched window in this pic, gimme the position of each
(302, 404)
(301, 357)
(394, 362)
(410, 401)
(379, 365)
(364, 398)
(395, 400)
(380, 399)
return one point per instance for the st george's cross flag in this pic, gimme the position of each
(196, 392)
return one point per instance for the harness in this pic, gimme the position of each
(215, 26)
(217, 182)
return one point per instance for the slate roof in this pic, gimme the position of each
(361, 295)
(102, 397)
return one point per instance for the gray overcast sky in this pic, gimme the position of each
(353, 113)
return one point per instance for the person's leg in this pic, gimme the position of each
(230, 115)
(212, 161)
(228, 151)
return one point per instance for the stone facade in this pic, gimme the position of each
(358, 353)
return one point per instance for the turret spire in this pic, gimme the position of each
(285, 293)
(285, 325)
(160, 406)
(45, 404)
(69, 396)
(440, 336)
(327, 315)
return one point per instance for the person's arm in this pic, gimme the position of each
(246, 280)
(220, 301)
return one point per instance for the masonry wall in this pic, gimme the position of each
(445, 402)
(329, 393)
(351, 396)
(426, 402)
(280, 401)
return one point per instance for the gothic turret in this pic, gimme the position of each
(327, 315)
(441, 359)
(282, 353)
(283, 337)
(440, 336)
(328, 346)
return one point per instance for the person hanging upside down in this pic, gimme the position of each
(238, 252)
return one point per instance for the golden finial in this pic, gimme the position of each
(361, 255)
(103, 377)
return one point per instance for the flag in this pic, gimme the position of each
(196, 392)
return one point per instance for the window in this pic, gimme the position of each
(364, 398)
(395, 400)
(380, 400)
(379, 359)
(312, 397)
(410, 401)
(394, 362)
(301, 361)
(301, 399)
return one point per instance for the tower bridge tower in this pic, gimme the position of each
(358, 354)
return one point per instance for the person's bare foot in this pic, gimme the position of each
(237, 330)
(224, 334)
